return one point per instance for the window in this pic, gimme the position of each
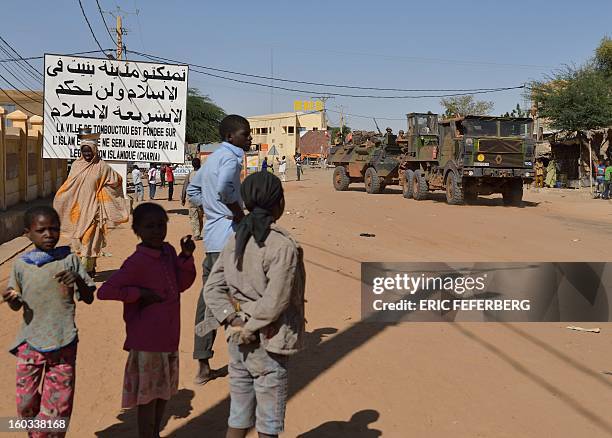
(264, 131)
(291, 130)
(284, 129)
(315, 129)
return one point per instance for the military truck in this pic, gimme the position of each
(471, 155)
(371, 158)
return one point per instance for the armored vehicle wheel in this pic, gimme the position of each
(407, 184)
(372, 181)
(341, 179)
(454, 193)
(513, 192)
(419, 186)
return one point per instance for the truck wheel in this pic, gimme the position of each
(407, 184)
(419, 186)
(372, 182)
(513, 192)
(454, 193)
(341, 179)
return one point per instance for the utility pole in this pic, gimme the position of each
(271, 80)
(119, 30)
(341, 108)
(323, 99)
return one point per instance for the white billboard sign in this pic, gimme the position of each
(138, 107)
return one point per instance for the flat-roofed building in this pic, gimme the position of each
(281, 132)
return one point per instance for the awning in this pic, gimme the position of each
(542, 148)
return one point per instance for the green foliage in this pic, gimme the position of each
(203, 118)
(466, 105)
(579, 99)
(603, 55)
(334, 130)
(576, 99)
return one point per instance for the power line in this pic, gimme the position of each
(20, 68)
(367, 117)
(17, 103)
(29, 68)
(19, 91)
(105, 25)
(241, 81)
(319, 84)
(89, 26)
(42, 57)
(15, 75)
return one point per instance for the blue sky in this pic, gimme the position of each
(390, 44)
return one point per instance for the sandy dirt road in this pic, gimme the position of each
(355, 378)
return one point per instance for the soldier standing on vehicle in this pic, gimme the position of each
(389, 138)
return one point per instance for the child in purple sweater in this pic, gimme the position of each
(149, 283)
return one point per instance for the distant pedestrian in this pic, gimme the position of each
(196, 214)
(282, 168)
(607, 180)
(162, 175)
(152, 178)
(150, 283)
(539, 171)
(298, 166)
(170, 180)
(264, 165)
(600, 176)
(46, 283)
(216, 186)
(138, 187)
(256, 290)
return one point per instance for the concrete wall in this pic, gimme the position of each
(24, 176)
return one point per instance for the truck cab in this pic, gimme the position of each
(470, 156)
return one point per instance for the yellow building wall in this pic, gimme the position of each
(283, 130)
(26, 176)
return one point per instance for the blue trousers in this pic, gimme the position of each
(152, 189)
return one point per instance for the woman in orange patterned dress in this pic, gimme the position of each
(90, 201)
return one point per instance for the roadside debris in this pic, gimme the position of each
(581, 329)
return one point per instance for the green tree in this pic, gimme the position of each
(334, 130)
(578, 98)
(203, 118)
(603, 55)
(466, 105)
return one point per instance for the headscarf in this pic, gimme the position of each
(92, 193)
(40, 258)
(261, 192)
